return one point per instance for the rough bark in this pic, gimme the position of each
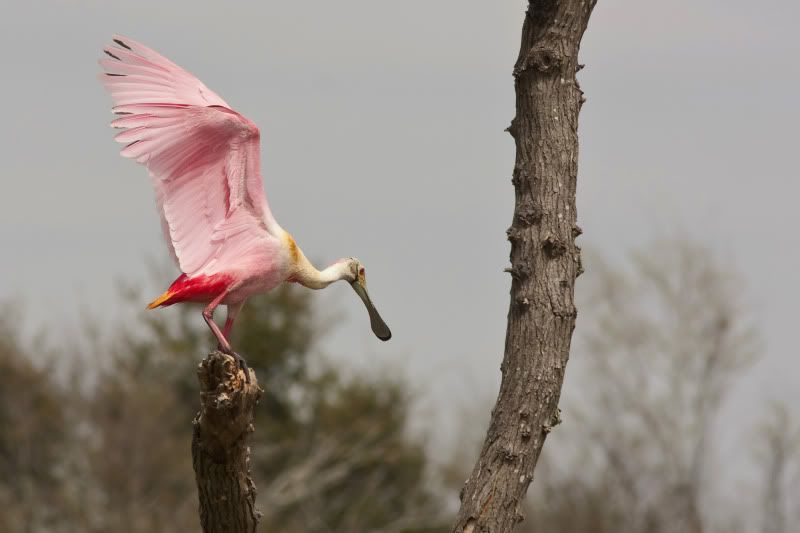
(220, 454)
(544, 265)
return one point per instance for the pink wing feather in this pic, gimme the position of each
(203, 157)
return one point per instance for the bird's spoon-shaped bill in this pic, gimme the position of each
(379, 327)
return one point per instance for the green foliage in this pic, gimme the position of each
(106, 446)
(33, 432)
(351, 466)
(328, 454)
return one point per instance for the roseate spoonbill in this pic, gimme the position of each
(204, 162)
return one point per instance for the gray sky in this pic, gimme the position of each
(689, 125)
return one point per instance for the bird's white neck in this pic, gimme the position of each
(308, 276)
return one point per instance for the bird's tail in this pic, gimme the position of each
(194, 289)
(163, 300)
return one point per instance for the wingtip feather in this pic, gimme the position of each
(119, 40)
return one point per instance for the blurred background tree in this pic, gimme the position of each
(778, 457)
(660, 342)
(34, 432)
(661, 339)
(666, 336)
(330, 454)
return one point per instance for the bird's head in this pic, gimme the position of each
(355, 274)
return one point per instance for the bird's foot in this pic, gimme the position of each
(239, 361)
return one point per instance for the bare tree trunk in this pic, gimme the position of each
(220, 455)
(544, 264)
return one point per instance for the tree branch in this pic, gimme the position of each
(220, 455)
(544, 264)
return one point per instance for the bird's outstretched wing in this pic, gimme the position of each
(203, 157)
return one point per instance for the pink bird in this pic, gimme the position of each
(204, 162)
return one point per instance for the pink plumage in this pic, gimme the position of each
(204, 161)
(202, 156)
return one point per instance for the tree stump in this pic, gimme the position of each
(220, 452)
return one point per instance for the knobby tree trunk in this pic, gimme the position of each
(220, 454)
(544, 264)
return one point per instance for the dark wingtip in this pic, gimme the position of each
(385, 338)
(112, 55)
(123, 45)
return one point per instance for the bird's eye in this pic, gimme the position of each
(361, 271)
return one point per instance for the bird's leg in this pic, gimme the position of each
(233, 312)
(226, 329)
(222, 340)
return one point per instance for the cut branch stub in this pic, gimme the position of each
(528, 213)
(519, 272)
(554, 247)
